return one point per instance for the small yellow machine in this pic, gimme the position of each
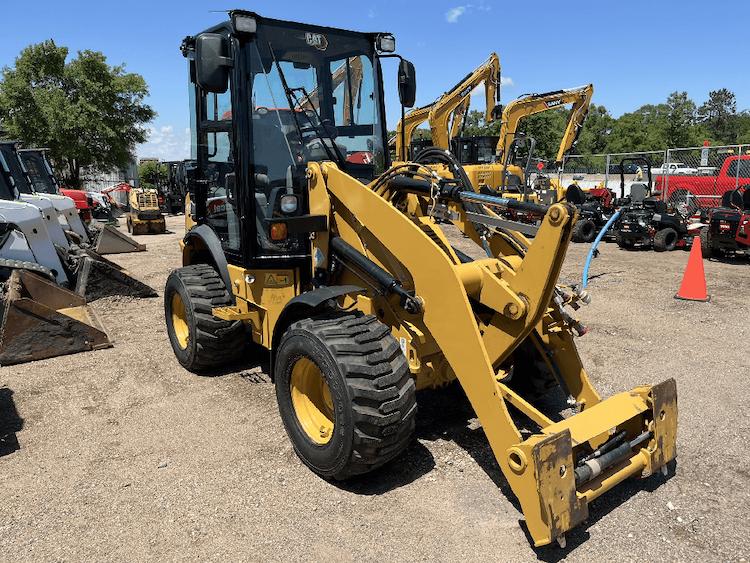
(309, 242)
(144, 215)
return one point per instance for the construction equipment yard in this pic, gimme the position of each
(122, 455)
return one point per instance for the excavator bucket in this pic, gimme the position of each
(112, 241)
(41, 320)
(97, 277)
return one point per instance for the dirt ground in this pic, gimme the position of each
(122, 455)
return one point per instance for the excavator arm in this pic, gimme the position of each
(521, 108)
(457, 98)
(405, 130)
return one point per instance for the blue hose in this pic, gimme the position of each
(599, 237)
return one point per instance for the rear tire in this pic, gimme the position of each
(584, 231)
(707, 247)
(200, 341)
(345, 393)
(665, 240)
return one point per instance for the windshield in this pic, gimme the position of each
(314, 99)
(38, 172)
(15, 170)
(6, 190)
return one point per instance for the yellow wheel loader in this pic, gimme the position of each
(333, 261)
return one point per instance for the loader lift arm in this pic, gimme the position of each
(518, 288)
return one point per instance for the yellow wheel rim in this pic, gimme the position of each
(312, 401)
(179, 321)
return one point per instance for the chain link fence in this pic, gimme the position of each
(688, 179)
(698, 177)
(617, 172)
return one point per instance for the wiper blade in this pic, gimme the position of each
(293, 102)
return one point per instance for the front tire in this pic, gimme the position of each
(584, 230)
(665, 240)
(345, 393)
(200, 341)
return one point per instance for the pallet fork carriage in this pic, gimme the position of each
(309, 242)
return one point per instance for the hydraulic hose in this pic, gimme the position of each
(593, 247)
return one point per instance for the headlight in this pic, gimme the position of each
(245, 24)
(288, 204)
(386, 43)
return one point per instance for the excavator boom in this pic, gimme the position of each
(457, 99)
(518, 109)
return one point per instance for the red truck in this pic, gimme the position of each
(691, 192)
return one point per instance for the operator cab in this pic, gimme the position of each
(268, 97)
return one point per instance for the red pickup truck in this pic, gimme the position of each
(705, 191)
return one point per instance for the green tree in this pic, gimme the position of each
(596, 131)
(720, 118)
(682, 130)
(147, 174)
(547, 129)
(87, 113)
(744, 126)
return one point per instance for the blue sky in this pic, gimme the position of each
(634, 53)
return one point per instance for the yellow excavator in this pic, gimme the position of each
(504, 174)
(500, 173)
(455, 103)
(525, 106)
(451, 108)
(336, 265)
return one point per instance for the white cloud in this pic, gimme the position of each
(452, 15)
(506, 81)
(166, 144)
(371, 13)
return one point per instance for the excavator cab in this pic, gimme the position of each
(309, 242)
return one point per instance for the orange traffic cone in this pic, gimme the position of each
(693, 286)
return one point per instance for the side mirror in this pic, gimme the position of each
(211, 63)
(407, 84)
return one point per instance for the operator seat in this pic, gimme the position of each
(271, 150)
(732, 199)
(575, 195)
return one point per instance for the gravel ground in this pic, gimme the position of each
(122, 455)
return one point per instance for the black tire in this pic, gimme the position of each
(624, 242)
(707, 247)
(665, 240)
(345, 393)
(584, 231)
(200, 341)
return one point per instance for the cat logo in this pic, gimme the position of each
(277, 280)
(317, 40)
